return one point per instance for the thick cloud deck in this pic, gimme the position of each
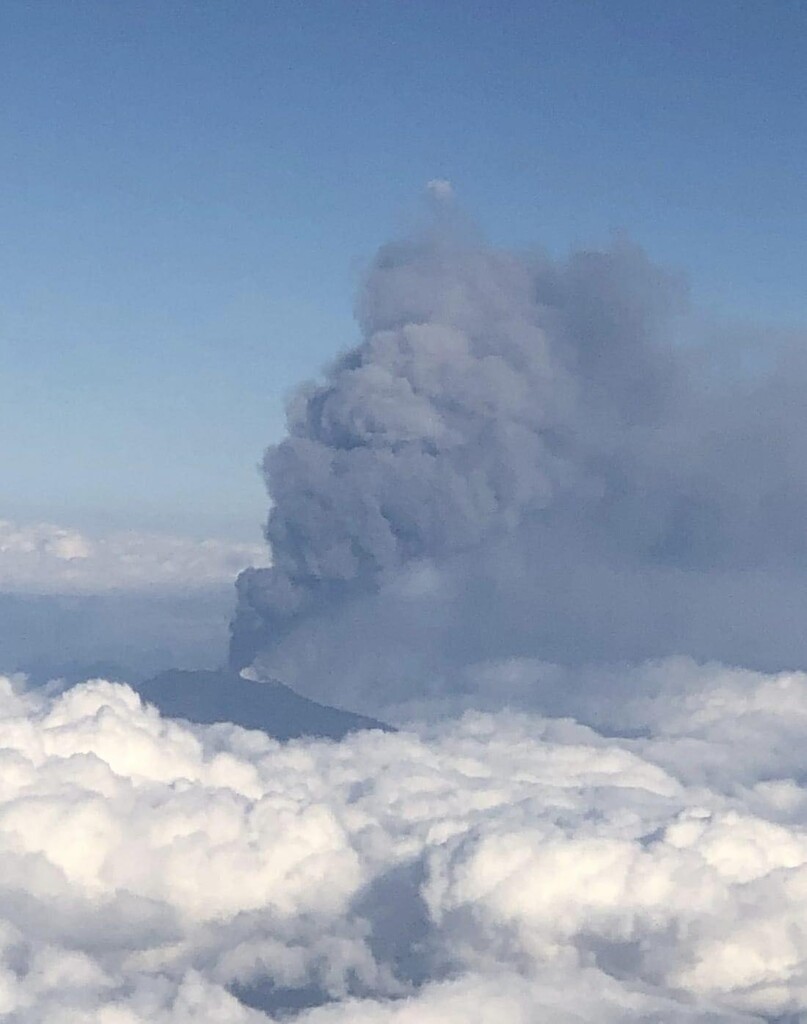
(497, 867)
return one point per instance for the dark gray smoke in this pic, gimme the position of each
(518, 460)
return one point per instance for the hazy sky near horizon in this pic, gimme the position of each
(190, 194)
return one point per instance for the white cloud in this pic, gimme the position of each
(440, 188)
(48, 559)
(500, 866)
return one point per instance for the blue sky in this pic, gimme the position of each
(189, 193)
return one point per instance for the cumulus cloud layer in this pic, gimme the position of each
(499, 866)
(47, 559)
(517, 459)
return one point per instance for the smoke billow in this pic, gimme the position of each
(517, 459)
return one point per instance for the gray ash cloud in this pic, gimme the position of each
(518, 458)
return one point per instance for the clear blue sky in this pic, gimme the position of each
(190, 191)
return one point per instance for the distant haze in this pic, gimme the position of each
(124, 604)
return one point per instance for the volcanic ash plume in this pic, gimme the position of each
(521, 442)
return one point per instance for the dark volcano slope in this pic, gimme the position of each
(207, 697)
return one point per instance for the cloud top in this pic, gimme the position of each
(505, 863)
(440, 189)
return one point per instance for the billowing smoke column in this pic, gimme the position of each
(526, 431)
(487, 388)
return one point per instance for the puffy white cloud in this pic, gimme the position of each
(497, 866)
(440, 189)
(47, 559)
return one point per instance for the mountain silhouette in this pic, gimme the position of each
(207, 697)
